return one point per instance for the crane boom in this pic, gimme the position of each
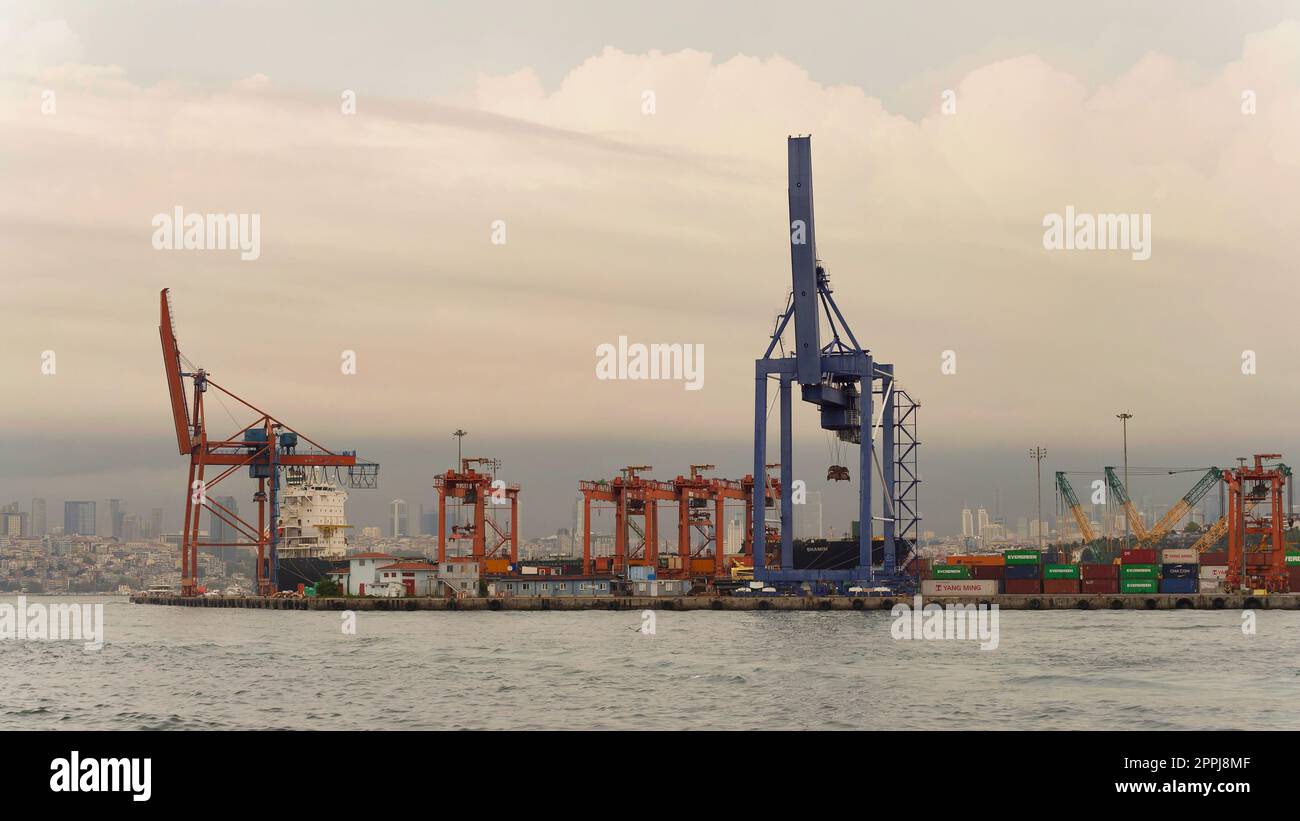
(172, 364)
(803, 263)
(1067, 492)
(1184, 505)
(1134, 520)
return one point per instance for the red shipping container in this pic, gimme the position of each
(1294, 572)
(1100, 586)
(987, 571)
(1139, 556)
(1060, 586)
(1022, 587)
(1099, 571)
(1219, 558)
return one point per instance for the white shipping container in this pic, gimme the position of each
(1214, 571)
(1210, 586)
(1179, 555)
(959, 587)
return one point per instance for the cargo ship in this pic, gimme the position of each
(312, 529)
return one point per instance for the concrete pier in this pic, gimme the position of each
(1213, 601)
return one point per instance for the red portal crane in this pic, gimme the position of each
(264, 446)
(1256, 508)
(478, 491)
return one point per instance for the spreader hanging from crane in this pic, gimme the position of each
(265, 446)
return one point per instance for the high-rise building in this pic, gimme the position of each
(130, 528)
(116, 510)
(13, 522)
(735, 538)
(219, 532)
(79, 518)
(428, 521)
(397, 519)
(39, 524)
(981, 521)
(156, 523)
(578, 526)
(967, 522)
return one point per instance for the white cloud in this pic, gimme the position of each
(667, 227)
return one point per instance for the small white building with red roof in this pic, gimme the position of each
(363, 572)
(417, 578)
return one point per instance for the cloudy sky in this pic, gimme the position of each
(662, 224)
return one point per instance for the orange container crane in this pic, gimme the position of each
(636, 509)
(699, 510)
(1257, 521)
(265, 446)
(486, 497)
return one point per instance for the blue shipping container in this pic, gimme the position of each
(1022, 571)
(1180, 571)
(1178, 585)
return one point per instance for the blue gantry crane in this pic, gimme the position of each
(845, 382)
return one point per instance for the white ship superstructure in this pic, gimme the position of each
(312, 517)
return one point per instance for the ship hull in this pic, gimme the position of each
(305, 571)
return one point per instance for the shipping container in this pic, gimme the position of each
(1209, 586)
(985, 560)
(1179, 555)
(1139, 586)
(1100, 586)
(1139, 571)
(1099, 571)
(1294, 573)
(1021, 572)
(1179, 571)
(640, 572)
(968, 587)
(1218, 557)
(1217, 572)
(501, 566)
(1181, 585)
(1060, 571)
(1022, 557)
(996, 572)
(1293, 557)
(1145, 555)
(1060, 587)
(950, 571)
(1022, 587)
(702, 565)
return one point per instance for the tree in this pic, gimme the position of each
(1192, 527)
(328, 587)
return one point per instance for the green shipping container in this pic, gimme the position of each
(1293, 557)
(1139, 571)
(1061, 571)
(1022, 557)
(1139, 586)
(950, 571)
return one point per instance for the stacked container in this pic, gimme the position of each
(1062, 579)
(1213, 572)
(1102, 579)
(949, 572)
(1138, 571)
(1023, 572)
(1179, 578)
(1293, 569)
